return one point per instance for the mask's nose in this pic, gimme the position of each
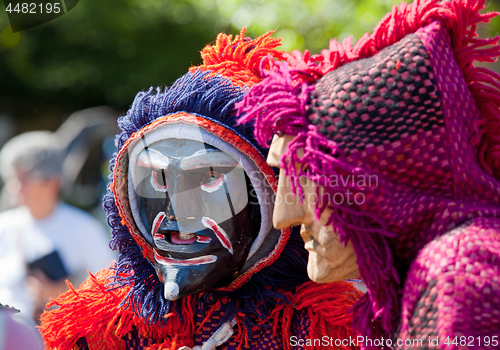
(288, 210)
(185, 200)
(170, 221)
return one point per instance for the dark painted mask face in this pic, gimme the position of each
(193, 200)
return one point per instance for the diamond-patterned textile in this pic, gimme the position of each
(407, 116)
(378, 100)
(264, 337)
(452, 289)
(401, 129)
(405, 123)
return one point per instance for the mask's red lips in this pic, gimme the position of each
(203, 239)
(176, 237)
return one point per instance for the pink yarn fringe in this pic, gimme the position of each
(278, 105)
(367, 233)
(459, 16)
(279, 94)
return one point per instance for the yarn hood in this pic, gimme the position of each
(202, 100)
(404, 121)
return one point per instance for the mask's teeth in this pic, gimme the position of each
(186, 236)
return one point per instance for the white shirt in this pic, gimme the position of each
(79, 239)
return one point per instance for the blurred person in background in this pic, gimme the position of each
(43, 241)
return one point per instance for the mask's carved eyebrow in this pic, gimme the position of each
(151, 158)
(203, 158)
(208, 158)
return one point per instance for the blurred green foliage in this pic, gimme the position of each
(104, 52)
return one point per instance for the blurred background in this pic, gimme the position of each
(78, 73)
(104, 52)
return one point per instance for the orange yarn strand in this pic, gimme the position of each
(239, 58)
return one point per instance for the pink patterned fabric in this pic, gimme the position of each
(406, 115)
(462, 266)
(452, 289)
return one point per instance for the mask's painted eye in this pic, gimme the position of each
(157, 179)
(211, 181)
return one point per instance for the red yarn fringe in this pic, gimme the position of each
(461, 17)
(328, 306)
(329, 309)
(93, 312)
(239, 58)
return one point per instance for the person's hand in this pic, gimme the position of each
(42, 289)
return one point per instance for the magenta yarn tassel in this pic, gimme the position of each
(375, 314)
(276, 103)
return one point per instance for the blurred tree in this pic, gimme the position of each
(103, 52)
